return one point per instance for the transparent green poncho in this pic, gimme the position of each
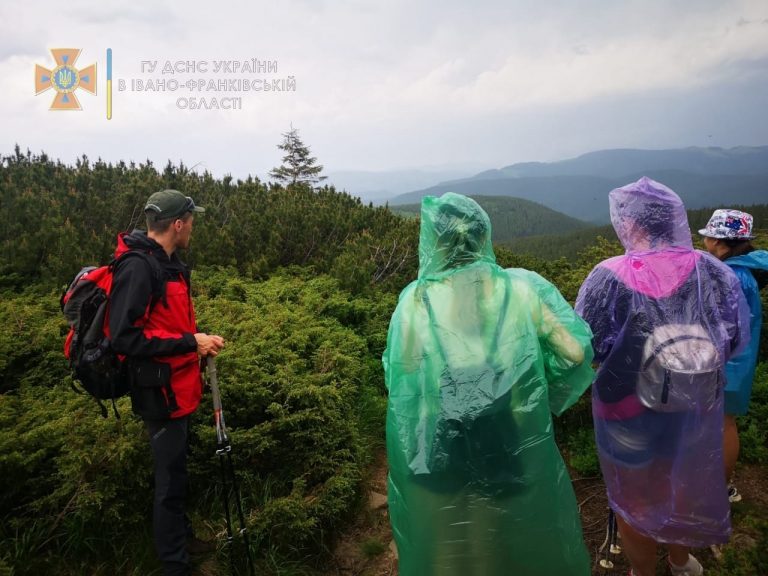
(477, 358)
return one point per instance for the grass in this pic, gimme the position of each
(372, 547)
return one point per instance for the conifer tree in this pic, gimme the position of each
(298, 166)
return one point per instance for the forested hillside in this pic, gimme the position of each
(585, 197)
(301, 282)
(579, 186)
(570, 244)
(513, 217)
(528, 228)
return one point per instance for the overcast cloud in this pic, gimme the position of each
(387, 85)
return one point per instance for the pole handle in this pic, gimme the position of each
(218, 413)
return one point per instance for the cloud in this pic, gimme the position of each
(539, 70)
(386, 84)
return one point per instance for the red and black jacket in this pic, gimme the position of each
(143, 325)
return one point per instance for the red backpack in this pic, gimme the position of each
(85, 305)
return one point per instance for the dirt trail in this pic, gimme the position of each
(366, 549)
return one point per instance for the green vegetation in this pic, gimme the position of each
(582, 452)
(530, 228)
(699, 218)
(747, 554)
(57, 218)
(373, 547)
(513, 217)
(302, 284)
(753, 432)
(304, 399)
(298, 166)
(569, 245)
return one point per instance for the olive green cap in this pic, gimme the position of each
(171, 204)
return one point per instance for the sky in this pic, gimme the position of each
(380, 86)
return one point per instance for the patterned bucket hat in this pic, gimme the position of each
(729, 224)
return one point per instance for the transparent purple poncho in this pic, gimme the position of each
(666, 318)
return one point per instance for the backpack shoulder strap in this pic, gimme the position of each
(494, 343)
(156, 273)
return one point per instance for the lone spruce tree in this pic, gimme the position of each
(298, 166)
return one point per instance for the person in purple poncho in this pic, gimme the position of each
(666, 318)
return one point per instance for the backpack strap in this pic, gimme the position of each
(157, 274)
(494, 344)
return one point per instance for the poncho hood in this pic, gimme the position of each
(647, 215)
(455, 231)
(755, 260)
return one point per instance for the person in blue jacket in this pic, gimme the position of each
(728, 236)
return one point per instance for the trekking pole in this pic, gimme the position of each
(610, 545)
(613, 546)
(224, 452)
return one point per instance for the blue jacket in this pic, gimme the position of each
(740, 370)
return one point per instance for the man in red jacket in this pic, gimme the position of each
(152, 323)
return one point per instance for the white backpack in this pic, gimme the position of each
(680, 369)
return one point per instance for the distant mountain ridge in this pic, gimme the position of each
(579, 187)
(620, 162)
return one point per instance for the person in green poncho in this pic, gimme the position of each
(477, 359)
